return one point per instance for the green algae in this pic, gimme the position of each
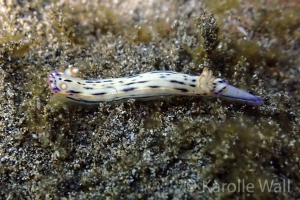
(67, 26)
(12, 43)
(221, 7)
(238, 146)
(140, 33)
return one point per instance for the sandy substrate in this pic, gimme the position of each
(177, 147)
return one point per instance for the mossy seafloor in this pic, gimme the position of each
(162, 149)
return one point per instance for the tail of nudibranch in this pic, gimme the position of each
(234, 93)
(222, 89)
(219, 87)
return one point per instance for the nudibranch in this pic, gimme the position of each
(143, 86)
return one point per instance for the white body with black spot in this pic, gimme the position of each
(146, 85)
